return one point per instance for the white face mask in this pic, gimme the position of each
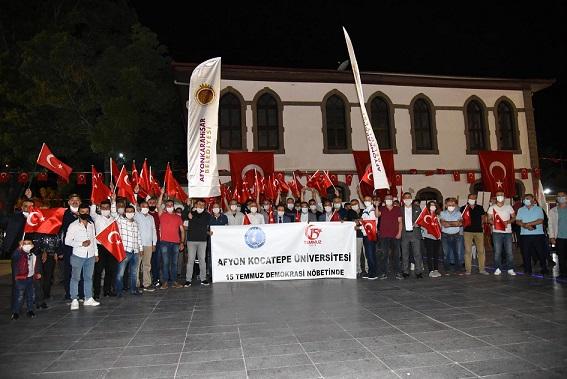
(233, 207)
(290, 206)
(313, 208)
(130, 215)
(328, 208)
(26, 214)
(432, 208)
(74, 209)
(266, 207)
(337, 205)
(562, 199)
(121, 211)
(472, 201)
(168, 210)
(407, 202)
(238, 208)
(200, 210)
(500, 199)
(216, 210)
(281, 213)
(389, 202)
(105, 212)
(527, 202)
(355, 207)
(145, 211)
(27, 248)
(253, 209)
(367, 204)
(304, 210)
(451, 208)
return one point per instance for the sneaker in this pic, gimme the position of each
(205, 282)
(467, 273)
(91, 303)
(187, 284)
(497, 271)
(74, 304)
(432, 274)
(412, 266)
(149, 289)
(511, 272)
(484, 273)
(31, 314)
(364, 275)
(164, 286)
(177, 285)
(371, 277)
(383, 277)
(15, 316)
(399, 276)
(436, 274)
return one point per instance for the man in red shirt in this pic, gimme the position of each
(390, 232)
(171, 242)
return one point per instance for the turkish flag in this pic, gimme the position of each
(81, 179)
(99, 190)
(270, 190)
(499, 224)
(295, 187)
(226, 196)
(398, 181)
(271, 218)
(280, 183)
(348, 179)
(172, 187)
(46, 221)
(125, 187)
(334, 178)
(23, 177)
(456, 176)
(466, 215)
(367, 177)
(41, 177)
(50, 162)
(470, 177)
(4, 177)
(536, 172)
(144, 180)
(429, 222)
(245, 166)
(136, 181)
(497, 168)
(110, 238)
(362, 163)
(370, 229)
(246, 220)
(524, 173)
(155, 188)
(335, 216)
(114, 171)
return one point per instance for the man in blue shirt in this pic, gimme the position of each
(530, 219)
(558, 231)
(451, 222)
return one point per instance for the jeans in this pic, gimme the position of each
(411, 243)
(503, 241)
(23, 288)
(534, 246)
(370, 252)
(196, 248)
(156, 264)
(169, 253)
(450, 243)
(389, 246)
(68, 271)
(132, 261)
(432, 251)
(108, 264)
(86, 267)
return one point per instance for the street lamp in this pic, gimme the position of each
(120, 155)
(547, 191)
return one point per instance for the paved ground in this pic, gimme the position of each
(474, 326)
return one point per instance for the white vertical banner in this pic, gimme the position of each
(378, 171)
(202, 129)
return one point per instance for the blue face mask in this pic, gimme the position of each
(527, 202)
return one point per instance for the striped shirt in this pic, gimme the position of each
(130, 234)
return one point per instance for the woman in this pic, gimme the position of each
(432, 243)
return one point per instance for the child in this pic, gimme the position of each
(25, 266)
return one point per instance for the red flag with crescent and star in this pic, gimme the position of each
(246, 220)
(245, 166)
(46, 221)
(172, 187)
(429, 222)
(497, 169)
(100, 191)
(125, 187)
(499, 224)
(466, 215)
(364, 169)
(370, 229)
(50, 162)
(110, 238)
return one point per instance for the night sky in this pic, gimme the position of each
(490, 39)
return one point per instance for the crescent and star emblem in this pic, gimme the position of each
(115, 241)
(494, 164)
(39, 217)
(48, 159)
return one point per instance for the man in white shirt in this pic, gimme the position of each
(502, 216)
(235, 217)
(106, 261)
(147, 227)
(132, 240)
(255, 217)
(81, 237)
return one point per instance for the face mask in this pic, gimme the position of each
(238, 208)
(355, 207)
(367, 204)
(562, 199)
(313, 207)
(266, 207)
(472, 202)
(500, 199)
(297, 207)
(121, 211)
(304, 210)
(432, 208)
(84, 216)
(145, 211)
(233, 207)
(74, 209)
(328, 209)
(290, 206)
(281, 213)
(337, 205)
(527, 202)
(168, 209)
(152, 208)
(27, 248)
(389, 202)
(216, 210)
(253, 209)
(130, 215)
(26, 214)
(407, 202)
(105, 212)
(200, 210)
(450, 208)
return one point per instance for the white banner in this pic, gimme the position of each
(378, 171)
(283, 251)
(202, 129)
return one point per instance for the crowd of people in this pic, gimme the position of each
(163, 242)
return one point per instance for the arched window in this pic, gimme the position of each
(336, 123)
(423, 127)
(506, 126)
(230, 123)
(267, 123)
(429, 193)
(380, 120)
(476, 131)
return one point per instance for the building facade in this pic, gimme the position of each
(311, 120)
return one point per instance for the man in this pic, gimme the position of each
(328, 213)
(314, 209)
(533, 242)
(411, 237)
(147, 227)
(156, 255)
(265, 211)
(255, 217)
(390, 232)
(474, 233)
(280, 217)
(172, 241)
(368, 213)
(234, 216)
(306, 215)
(451, 222)
(354, 214)
(502, 239)
(71, 215)
(198, 233)
(558, 231)
(338, 207)
(80, 237)
(14, 225)
(106, 261)
(290, 211)
(132, 242)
